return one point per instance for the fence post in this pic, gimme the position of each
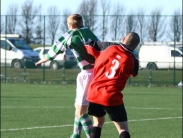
(150, 75)
(129, 81)
(5, 73)
(43, 71)
(63, 72)
(174, 77)
(43, 49)
(24, 69)
(5, 68)
(174, 55)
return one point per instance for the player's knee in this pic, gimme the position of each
(96, 124)
(81, 110)
(98, 121)
(124, 134)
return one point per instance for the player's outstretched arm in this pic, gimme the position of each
(45, 59)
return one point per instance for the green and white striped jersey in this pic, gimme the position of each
(75, 40)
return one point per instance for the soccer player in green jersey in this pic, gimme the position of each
(75, 39)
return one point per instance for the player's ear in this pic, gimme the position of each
(123, 40)
(73, 26)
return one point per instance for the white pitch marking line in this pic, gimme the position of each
(4, 107)
(152, 119)
(30, 128)
(153, 108)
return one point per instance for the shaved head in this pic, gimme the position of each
(131, 40)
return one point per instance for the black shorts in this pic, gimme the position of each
(116, 113)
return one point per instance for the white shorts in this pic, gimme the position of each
(83, 81)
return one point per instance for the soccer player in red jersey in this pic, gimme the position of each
(114, 64)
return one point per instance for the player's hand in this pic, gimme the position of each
(41, 61)
(37, 63)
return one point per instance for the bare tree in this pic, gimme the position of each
(88, 9)
(105, 7)
(117, 22)
(39, 27)
(141, 24)
(53, 22)
(27, 23)
(130, 23)
(175, 32)
(2, 28)
(156, 26)
(12, 18)
(63, 26)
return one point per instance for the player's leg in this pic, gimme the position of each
(77, 124)
(119, 117)
(83, 80)
(98, 114)
(84, 118)
(122, 128)
(87, 77)
(77, 128)
(97, 127)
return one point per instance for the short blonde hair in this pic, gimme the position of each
(76, 20)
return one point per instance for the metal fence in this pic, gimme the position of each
(39, 31)
(146, 77)
(44, 29)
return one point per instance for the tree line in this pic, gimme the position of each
(108, 20)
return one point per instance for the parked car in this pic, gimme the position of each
(70, 60)
(66, 59)
(15, 52)
(160, 57)
(180, 48)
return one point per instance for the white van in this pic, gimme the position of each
(160, 57)
(16, 53)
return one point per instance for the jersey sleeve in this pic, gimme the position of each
(91, 51)
(59, 46)
(99, 46)
(95, 47)
(54, 51)
(136, 67)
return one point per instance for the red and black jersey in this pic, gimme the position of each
(114, 64)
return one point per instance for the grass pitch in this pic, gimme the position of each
(47, 111)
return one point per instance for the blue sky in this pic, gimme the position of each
(168, 6)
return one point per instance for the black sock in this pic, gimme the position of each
(95, 132)
(124, 134)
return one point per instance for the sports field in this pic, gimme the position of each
(47, 111)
